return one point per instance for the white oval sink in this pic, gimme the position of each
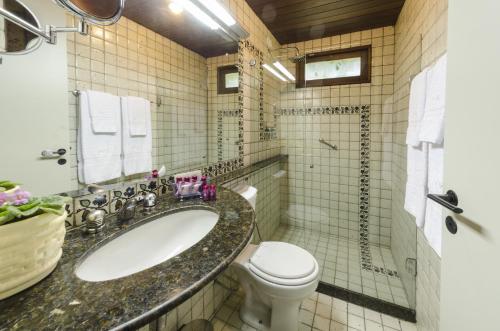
(147, 245)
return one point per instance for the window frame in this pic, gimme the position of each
(221, 79)
(364, 52)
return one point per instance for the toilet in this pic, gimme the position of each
(276, 277)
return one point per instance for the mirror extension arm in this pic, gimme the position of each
(50, 33)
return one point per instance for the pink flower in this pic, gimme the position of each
(4, 198)
(20, 197)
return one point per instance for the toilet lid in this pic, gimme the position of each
(283, 260)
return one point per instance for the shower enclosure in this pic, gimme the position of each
(336, 201)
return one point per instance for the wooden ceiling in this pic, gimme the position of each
(183, 28)
(299, 20)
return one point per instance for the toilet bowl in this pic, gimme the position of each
(276, 277)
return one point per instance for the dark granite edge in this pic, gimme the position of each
(189, 292)
(369, 302)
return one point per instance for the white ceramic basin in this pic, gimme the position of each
(147, 245)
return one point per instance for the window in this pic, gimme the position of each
(227, 79)
(343, 66)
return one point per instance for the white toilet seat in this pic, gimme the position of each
(283, 264)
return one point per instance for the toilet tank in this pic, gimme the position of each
(248, 192)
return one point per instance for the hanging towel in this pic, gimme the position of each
(434, 211)
(137, 116)
(416, 183)
(416, 108)
(137, 149)
(98, 154)
(103, 108)
(432, 126)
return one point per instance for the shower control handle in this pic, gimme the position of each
(448, 200)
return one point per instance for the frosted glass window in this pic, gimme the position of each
(231, 80)
(334, 69)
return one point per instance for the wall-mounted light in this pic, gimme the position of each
(196, 12)
(274, 72)
(218, 10)
(284, 70)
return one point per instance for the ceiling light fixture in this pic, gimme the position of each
(218, 10)
(284, 70)
(198, 13)
(274, 72)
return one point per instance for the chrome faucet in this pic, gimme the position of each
(127, 211)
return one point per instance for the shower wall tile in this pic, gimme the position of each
(421, 37)
(339, 191)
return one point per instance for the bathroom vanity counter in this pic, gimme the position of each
(64, 301)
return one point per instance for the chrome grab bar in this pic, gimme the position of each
(323, 141)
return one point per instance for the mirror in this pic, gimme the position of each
(223, 114)
(13, 38)
(95, 11)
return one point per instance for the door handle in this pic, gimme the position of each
(448, 200)
(51, 154)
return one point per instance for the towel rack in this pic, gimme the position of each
(323, 141)
(77, 93)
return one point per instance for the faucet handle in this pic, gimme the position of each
(94, 221)
(149, 200)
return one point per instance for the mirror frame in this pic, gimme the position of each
(67, 4)
(38, 25)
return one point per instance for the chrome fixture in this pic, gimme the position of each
(158, 103)
(94, 221)
(149, 200)
(49, 33)
(127, 212)
(95, 11)
(95, 189)
(323, 141)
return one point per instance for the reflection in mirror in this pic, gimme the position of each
(95, 11)
(13, 38)
(223, 82)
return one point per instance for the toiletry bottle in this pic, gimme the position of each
(213, 192)
(206, 193)
(203, 183)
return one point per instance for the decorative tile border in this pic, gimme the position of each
(364, 175)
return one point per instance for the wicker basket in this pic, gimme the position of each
(29, 251)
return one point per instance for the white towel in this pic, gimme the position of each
(432, 126)
(416, 108)
(416, 183)
(137, 150)
(137, 116)
(99, 154)
(434, 211)
(103, 108)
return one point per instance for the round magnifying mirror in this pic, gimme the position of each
(13, 38)
(101, 12)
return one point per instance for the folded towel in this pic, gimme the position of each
(137, 149)
(434, 211)
(416, 108)
(432, 126)
(416, 184)
(103, 109)
(137, 117)
(98, 154)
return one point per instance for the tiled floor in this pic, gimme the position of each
(319, 312)
(340, 263)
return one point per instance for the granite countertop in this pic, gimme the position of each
(62, 301)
